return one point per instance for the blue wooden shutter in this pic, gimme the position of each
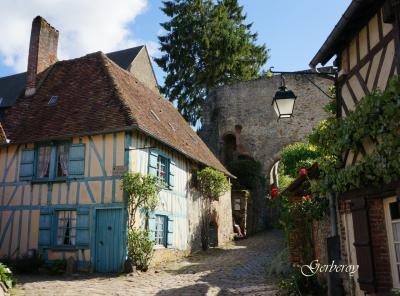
(153, 159)
(76, 165)
(171, 176)
(82, 227)
(26, 170)
(45, 230)
(152, 226)
(170, 230)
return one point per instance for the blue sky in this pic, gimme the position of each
(292, 30)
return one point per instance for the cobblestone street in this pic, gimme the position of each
(235, 269)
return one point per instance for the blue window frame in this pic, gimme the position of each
(66, 228)
(162, 167)
(161, 230)
(52, 160)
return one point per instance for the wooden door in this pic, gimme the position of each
(109, 243)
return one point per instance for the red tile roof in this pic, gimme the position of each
(96, 96)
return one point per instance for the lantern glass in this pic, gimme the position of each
(284, 107)
(283, 102)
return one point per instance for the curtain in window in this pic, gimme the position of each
(44, 161)
(62, 162)
(66, 234)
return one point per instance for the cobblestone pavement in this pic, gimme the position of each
(235, 269)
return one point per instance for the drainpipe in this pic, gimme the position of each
(332, 212)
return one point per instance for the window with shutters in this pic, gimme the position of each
(392, 215)
(66, 228)
(53, 162)
(163, 168)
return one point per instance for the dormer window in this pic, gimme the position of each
(53, 100)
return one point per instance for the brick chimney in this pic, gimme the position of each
(42, 51)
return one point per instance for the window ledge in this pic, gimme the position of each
(68, 248)
(43, 181)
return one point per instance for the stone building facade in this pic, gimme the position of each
(239, 120)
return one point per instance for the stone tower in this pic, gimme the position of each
(239, 120)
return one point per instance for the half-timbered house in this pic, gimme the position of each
(66, 137)
(366, 45)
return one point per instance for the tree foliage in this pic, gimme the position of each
(140, 248)
(296, 156)
(142, 192)
(212, 183)
(207, 43)
(248, 172)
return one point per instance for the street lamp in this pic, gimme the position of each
(283, 101)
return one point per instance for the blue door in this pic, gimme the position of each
(109, 253)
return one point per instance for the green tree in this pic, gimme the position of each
(207, 44)
(142, 192)
(211, 184)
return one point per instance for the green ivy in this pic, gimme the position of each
(248, 172)
(296, 156)
(375, 119)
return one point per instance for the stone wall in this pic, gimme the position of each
(244, 112)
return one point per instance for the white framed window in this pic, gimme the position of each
(66, 228)
(392, 217)
(161, 230)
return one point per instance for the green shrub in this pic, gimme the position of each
(6, 276)
(140, 248)
(27, 263)
(212, 183)
(296, 156)
(299, 285)
(58, 267)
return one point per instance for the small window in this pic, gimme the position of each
(52, 161)
(43, 164)
(66, 228)
(162, 169)
(53, 100)
(161, 230)
(1, 100)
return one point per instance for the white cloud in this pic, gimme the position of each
(85, 26)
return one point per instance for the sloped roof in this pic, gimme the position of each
(354, 18)
(12, 86)
(3, 138)
(125, 57)
(96, 96)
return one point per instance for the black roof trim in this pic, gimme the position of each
(355, 17)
